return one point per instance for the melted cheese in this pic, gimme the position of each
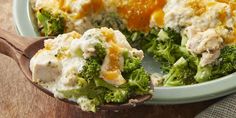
(222, 16)
(93, 6)
(111, 72)
(158, 17)
(138, 12)
(108, 33)
(114, 57)
(198, 7)
(110, 75)
(86, 7)
(231, 39)
(223, 1)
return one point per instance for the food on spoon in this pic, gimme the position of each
(92, 69)
(198, 33)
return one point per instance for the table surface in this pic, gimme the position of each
(18, 98)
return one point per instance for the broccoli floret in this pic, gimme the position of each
(133, 37)
(100, 52)
(226, 63)
(118, 95)
(139, 80)
(88, 96)
(193, 60)
(203, 74)
(167, 46)
(165, 51)
(180, 74)
(91, 69)
(50, 24)
(90, 90)
(131, 63)
(87, 104)
(114, 94)
(173, 35)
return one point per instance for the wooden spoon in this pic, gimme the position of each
(22, 49)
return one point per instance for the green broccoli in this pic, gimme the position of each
(118, 95)
(100, 52)
(193, 60)
(173, 35)
(50, 24)
(130, 64)
(91, 69)
(114, 94)
(167, 46)
(139, 80)
(90, 90)
(224, 65)
(91, 95)
(163, 47)
(87, 104)
(204, 73)
(180, 74)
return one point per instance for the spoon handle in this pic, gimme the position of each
(8, 50)
(17, 42)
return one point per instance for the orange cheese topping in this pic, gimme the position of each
(231, 39)
(232, 7)
(91, 7)
(231, 3)
(222, 16)
(63, 6)
(158, 16)
(223, 1)
(209, 4)
(198, 7)
(137, 13)
(110, 75)
(108, 33)
(114, 52)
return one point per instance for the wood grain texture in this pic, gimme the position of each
(20, 99)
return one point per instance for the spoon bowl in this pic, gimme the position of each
(22, 49)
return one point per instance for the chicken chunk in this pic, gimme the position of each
(45, 68)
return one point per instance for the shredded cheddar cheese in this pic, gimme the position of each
(138, 13)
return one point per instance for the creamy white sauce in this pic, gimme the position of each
(54, 67)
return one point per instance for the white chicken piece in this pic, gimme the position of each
(208, 43)
(45, 68)
(209, 57)
(208, 40)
